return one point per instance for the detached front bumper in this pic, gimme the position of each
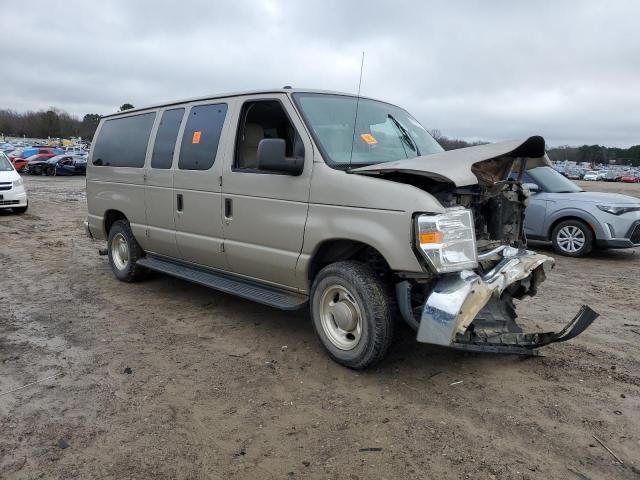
(473, 311)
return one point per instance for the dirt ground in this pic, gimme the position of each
(223, 388)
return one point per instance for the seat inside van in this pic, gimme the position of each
(264, 119)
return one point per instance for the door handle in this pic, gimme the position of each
(179, 202)
(228, 208)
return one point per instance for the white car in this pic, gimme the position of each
(12, 192)
(593, 176)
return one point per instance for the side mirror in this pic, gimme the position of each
(271, 156)
(533, 187)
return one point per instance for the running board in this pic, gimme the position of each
(226, 283)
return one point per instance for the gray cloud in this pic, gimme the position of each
(476, 70)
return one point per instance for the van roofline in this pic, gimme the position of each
(235, 94)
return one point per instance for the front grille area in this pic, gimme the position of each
(635, 234)
(5, 185)
(9, 202)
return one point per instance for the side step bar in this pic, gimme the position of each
(226, 283)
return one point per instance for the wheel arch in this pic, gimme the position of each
(584, 217)
(340, 249)
(110, 217)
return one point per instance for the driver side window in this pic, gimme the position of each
(259, 120)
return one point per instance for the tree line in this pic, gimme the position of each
(592, 154)
(52, 122)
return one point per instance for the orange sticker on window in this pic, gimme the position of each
(196, 136)
(368, 138)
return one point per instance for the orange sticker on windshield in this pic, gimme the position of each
(368, 138)
(196, 136)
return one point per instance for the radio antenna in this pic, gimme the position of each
(355, 120)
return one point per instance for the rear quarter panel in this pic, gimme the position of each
(116, 188)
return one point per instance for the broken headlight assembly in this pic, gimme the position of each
(447, 240)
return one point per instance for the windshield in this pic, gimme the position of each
(383, 132)
(5, 164)
(551, 181)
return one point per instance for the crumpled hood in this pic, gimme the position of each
(603, 198)
(481, 164)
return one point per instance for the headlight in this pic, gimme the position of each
(18, 183)
(619, 210)
(448, 240)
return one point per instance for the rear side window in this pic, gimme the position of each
(201, 137)
(122, 142)
(165, 143)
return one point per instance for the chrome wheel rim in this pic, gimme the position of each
(340, 317)
(571, 239)
(120, 251)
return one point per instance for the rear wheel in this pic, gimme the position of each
(352, 314)
(124, 251)
(572, 238)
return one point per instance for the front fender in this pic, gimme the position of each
(573, 212)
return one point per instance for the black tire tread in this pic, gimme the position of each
(589, 238)
(379, 303)
(134, 272)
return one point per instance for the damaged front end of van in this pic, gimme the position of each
(474, 252)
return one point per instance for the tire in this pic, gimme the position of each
(21, 210)
(363, 306)
(124, 251)
(49, 171)
(572, 238)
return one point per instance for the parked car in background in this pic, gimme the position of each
(576, 221)
(7, 147)
(24, 153)
(629, 178)
(12, 192)
(21, 163)
(574, 175)
(593, 176)
(66, 165)
(611, 176)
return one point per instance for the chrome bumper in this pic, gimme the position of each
(457, 299)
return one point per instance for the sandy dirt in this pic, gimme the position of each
(223, 388)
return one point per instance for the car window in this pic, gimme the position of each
(259, 120)
(352, 131)
(165, 142)
(122, 142)
(551, 181)
(201, 137)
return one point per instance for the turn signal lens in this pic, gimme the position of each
(431, 237)
(447, 240)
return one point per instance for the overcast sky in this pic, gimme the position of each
(568, 70)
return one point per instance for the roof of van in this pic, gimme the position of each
(233, 94)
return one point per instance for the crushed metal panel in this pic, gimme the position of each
(457, 299)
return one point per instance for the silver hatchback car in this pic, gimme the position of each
(576, 221)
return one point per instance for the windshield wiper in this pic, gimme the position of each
(405, 137)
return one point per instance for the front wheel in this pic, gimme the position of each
(124, 252)
(572, 238)
(352, 314)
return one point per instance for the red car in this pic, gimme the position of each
(29, 151)
(20, 163)
(629, 179)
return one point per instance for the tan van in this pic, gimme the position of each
(345, 204)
